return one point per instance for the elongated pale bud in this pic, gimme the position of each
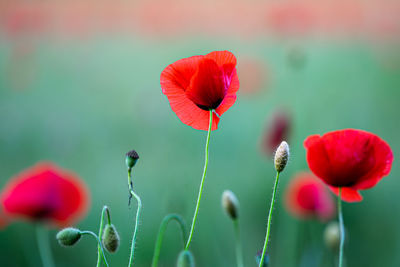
(185, 259)
(68, 236)
(110, 238)
(281, 156)
(230, 204)
(332, 236)
(131, 159)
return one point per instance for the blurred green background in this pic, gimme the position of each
(83, 103)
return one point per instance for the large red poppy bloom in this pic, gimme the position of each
(351, 159)
(45, 192)
(307, 197)
(198, 84)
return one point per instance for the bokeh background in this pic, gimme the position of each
(79, 85)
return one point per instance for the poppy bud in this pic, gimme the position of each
(185, 259)
(110, 238)
(131, 159)
(332, 236)
(281, 156)
(68, 236)
(230, 204)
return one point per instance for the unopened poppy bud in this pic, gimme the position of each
(110, 238)
(230, 204)
(68, 236)
(131, 159)
(281, 156)
(332, 236)
(185, 259)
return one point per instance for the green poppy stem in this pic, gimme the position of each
(139, 208)
(341, 225)
(44, 247)
(201, 184)
(239, 254)
(98, 242)
(99, 251)
(269, 220)
(161, 232)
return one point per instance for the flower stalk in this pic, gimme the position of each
(161, 232)
(99, 250)
(269, 220)
(139, 208)
(341, 227)
(201, 184)
(44, 247)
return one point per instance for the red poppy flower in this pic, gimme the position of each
(351, 159)
(45, 192)
(307, 196)
(198, 84)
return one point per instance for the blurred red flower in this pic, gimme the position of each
(278, 131)
(307, 197)
(198, 84)
(45, 192)
(351, 159)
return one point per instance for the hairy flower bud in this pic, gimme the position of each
(68, 236)
(110, 238)
(185, 259)
(230, 204)
(281, 156)
(131, 159)
(332, 236)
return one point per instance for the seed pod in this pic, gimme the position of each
(281, 156)
(68, 236)
(131, 159)
(230, 204)
(185, 259)
(110, 238)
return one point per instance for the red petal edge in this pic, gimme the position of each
(348, 194)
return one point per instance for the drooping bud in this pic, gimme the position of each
(258, 259)
(230, 204)
(185, 259)
(68, 236)
(110, 238)
(131, 159)
(281, 156)
(332, 236)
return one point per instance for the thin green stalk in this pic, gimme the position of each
(98, 242)
(201, 185)
(269, 220)
(139, 201)
(99, 251)
(161, 232)
(239, 255)
(44, 247)
(341, 225)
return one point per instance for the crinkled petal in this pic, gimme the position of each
(348, 194)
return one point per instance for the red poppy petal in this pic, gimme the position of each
(317, 157)
(383, 159)
(176, 76)
(207, 88)
(230, 97)
(348, 194)
(222, 57)
(189, 113)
